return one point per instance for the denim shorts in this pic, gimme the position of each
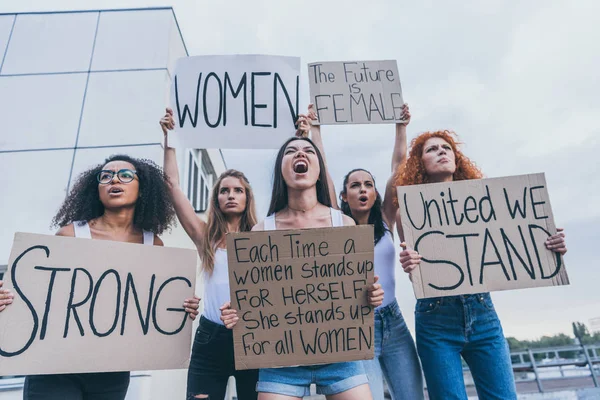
(295, 381)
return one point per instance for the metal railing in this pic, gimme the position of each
(564, 359)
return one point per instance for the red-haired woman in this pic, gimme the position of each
(466, 325)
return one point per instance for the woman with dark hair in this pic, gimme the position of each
(454, 326)
(300, 199)
(396, 358)
(231, 209)
(125, 200)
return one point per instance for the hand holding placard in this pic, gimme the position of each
(113, 313)
(482, 235)
(301, 297)
(356, 92)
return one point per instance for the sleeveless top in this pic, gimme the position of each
(216, 287)
(82, 230)
(337, 220)
(385, 267)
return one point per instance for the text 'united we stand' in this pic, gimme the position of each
(481, 235)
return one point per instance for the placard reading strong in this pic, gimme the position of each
(301, 296)
(480, 235)
(85, 305)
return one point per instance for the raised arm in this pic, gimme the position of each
(305, 124)
(398, 157)
(191, 223)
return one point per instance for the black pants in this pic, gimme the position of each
(93, 386)
(212, 363)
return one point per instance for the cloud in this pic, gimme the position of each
(516, 80)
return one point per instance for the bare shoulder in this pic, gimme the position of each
(348, 221)
(158, 241)
(67, 230)
(259, 227)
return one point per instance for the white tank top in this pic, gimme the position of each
(337, 220)
(82, 230)
(216, 287)
(385, 266)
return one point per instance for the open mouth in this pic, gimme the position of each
(300, 167)
(115, 190)
(363, 199)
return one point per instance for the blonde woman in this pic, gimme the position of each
(231, 209)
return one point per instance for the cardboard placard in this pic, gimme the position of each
(301, 296)
(85, 305)
(356, 92)
(234, 102)
(480, 235)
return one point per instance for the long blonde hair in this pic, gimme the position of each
(216, 226)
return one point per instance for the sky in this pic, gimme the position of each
(516, 80)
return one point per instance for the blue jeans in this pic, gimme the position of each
(467, 325)
(395, 357)
(295, 381)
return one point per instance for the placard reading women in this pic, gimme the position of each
(481, 235)
(356, 92)
(86, 305)
(301, 296)
(235, 102)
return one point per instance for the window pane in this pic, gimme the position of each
(124, 108)
(133, 39)
(51, 43)
(189, 174)
(6, 23)
(195, 185)
(40, 111)
(206, 199)
(176, 47)
(34, 184)
(202, 201)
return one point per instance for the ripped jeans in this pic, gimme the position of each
(212, 363)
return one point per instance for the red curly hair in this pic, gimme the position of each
(412, 172)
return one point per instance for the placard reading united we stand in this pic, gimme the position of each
(481, 235)
(301, 296)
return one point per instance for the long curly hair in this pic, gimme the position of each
(412, 172)
(154, 210)
(375, 215)
(216, 224)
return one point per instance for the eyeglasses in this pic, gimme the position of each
(125, 176)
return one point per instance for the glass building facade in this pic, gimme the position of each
(75, 88)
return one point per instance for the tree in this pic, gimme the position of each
(580, 331)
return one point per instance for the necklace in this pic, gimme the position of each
(302, 210)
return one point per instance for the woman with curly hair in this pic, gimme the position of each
(125, 200)
(396, 358)
(231, 209)
(466, 325)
